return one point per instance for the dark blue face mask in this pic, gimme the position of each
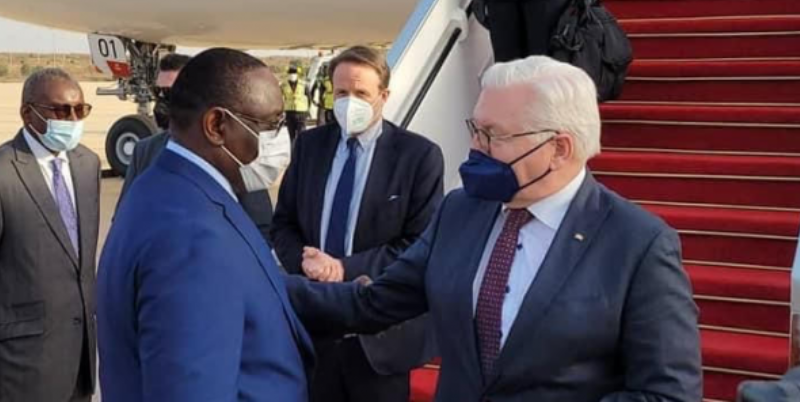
(487, 178)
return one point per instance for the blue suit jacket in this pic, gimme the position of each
(191, 303)
(609, 316)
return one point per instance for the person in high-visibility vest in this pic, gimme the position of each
(295, 103)
(323, 88)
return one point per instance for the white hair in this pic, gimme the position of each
(565, 99)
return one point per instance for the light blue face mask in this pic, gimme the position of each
(61, 135)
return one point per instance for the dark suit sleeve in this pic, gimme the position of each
(425, 198)
(285, 233)
(258, 207)
(660, 340)
(335, 309)
(134, 169)
(189, 320)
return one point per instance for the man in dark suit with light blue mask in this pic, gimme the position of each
(355, 196)
(49, 220)
(541, 284)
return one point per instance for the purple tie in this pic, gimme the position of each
(489, 313)
(64, 202)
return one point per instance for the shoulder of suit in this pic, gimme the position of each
(155, 139)
(319, 133)
(458, 200)
(412, 138)
(627, 213)
(7, 150)
(86, 152)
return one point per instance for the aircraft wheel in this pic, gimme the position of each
(122, 139)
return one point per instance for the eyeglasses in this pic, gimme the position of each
(64, 112)
(485, 138)
(273, 125)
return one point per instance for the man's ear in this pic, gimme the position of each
(564, 145)
(213, 122)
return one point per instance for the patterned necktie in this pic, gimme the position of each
(489, 313)
(64, 202)
(340, 211)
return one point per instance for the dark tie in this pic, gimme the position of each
(340, 211)
(64, 203)
(489, 313)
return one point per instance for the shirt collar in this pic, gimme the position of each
(368, 137)
(552, 209)
(202, 164)
(42, 154)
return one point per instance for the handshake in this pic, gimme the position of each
(322, 267)
(319, 266)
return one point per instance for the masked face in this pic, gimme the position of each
(61, 135)
(293, 77)
(490, 179)
(353, 114)
(250, 171)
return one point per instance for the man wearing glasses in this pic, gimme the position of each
(49, 203)
(191, 304)
(542, 284)
(273, 158)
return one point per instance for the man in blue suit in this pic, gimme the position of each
(192, 305)
(541, 283)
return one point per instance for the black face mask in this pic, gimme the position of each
(161, 113)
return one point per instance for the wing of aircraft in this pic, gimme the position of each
(251, 24)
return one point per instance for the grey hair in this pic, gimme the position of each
(41, 78)
(565, 99)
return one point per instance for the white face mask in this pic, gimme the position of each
(61, 135)
(252, 180)
(293, 77)
(353, 114)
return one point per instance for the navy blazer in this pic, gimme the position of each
(609, 316)
(192, 305)
(403, 190)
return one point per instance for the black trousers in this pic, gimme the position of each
(343, 374)
(521, 28)
(83, 386)
(296, 123)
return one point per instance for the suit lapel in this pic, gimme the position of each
(585, 216)
(85, 180)
(376, 190)
(31, 175)
(481, 228)
(244, 226)
(321, 157)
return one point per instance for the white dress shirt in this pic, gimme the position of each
(365, 151)
(204, 165)
(534, 241)
(45, 157)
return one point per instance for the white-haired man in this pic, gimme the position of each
(541, 283)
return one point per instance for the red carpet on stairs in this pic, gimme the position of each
(713, 81)
(706, 135)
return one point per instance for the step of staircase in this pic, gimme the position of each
(714, 81)
(699, 8)
(701, 128)
(723, 37)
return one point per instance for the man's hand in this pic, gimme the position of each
(319, 266)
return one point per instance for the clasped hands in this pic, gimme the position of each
(319, 266)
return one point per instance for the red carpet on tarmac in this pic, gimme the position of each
(706, 135)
